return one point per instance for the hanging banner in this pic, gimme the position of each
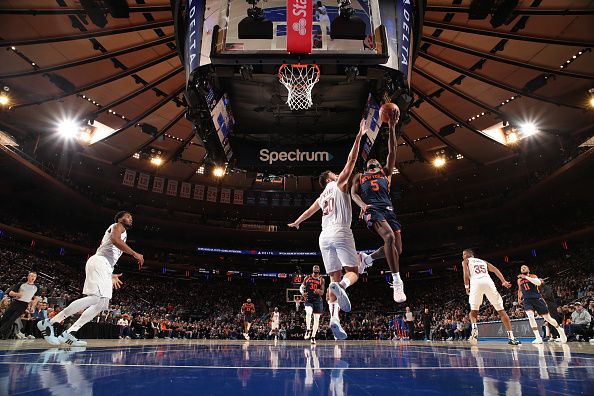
(372, 124)
(404, 15)
(172, 188)
(193, 40)
(299, 26)
(225, 195)
(129, 176)
(186, 189)
(238, 197)
(158, 185)
(143, 181)
(199, 192)
(211, 194)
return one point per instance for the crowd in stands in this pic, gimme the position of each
(150, 306)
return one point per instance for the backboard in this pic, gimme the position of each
(252, 31)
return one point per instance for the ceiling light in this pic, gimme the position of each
(4, 100)
(439, 162)
(528, 129)
(13, 48)
(512, 138)
(218, 172)
(592, 101)
(136, 155)
(68, 129)
(157, 161)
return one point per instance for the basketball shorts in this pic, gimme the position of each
(98, 277)
(317, 305)
(274, 325)
(537, 305)
(484, 287)
(337, 246)
(386, 213)
(248, 318)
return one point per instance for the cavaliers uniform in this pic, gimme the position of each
(275, 322)
(481, 285)
(337, 243)
(313, 300)
(99, 267)
(248, 312)
(531, 297)
(375, 191)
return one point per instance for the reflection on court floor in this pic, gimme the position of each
(294, 368)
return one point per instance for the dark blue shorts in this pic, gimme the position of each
(375, 214)
(535, 304)
(317, 305)
(248, 318)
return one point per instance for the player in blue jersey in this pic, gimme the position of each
(312, 290)
(371, 191)
(529, 296)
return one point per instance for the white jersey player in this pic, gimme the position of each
(275, 323)
(337, 244)
(478, 283)
(99, 283)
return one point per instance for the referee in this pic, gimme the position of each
(22, 294)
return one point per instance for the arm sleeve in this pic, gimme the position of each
(302, 288)
(534, 280)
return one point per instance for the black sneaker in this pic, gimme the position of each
(313, 341)
(513, 341)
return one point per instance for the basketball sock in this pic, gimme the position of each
(316, 325)
(74, 307)
(308, 319)
(510, 335)
(396, 277)
(345, 282)
(334, 309)
(473, 325)
(536, 333)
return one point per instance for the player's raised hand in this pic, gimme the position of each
(364, 209)
(115, 281)
(362, 127)
(294, 225)
(506, 284)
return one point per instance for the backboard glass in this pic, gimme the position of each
(229, 46)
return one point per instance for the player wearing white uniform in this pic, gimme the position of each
(478, 283)
(275, 323)
(99, 282)
(336, 239)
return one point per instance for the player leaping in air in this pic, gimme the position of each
(371, 191)
(337, 244)
(248, 310)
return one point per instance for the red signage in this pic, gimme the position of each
(299, 26)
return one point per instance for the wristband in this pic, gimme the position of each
(467, 286)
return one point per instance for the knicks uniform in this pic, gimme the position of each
(481, 285)
(313, 300)
(99, 267)
(249, 309)
(531, 297)
(375, 191)
(337, 244)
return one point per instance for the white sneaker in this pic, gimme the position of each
(473, 339)
(399, 295)
(341, 297)
(20, 336)
(365, 261)
(30, 337)
(47, 331)
(70, 340)
(337, 329)
(538, 341)
(307, 335)
(591, 341)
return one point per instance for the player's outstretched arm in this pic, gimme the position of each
(116, 239)
(498, 273)
(306, 215)
(531, 278)
(344, 175)
(519, 292)
(392, 144)
(466, 276)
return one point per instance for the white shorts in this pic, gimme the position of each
(98, 277)
(484, 287)
(338, 249)
(275, 325)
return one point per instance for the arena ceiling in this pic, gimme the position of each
(59, 65)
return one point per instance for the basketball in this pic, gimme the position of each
(385, 111)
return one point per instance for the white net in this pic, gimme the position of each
(299, 81)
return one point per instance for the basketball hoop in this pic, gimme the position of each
(299, 81)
